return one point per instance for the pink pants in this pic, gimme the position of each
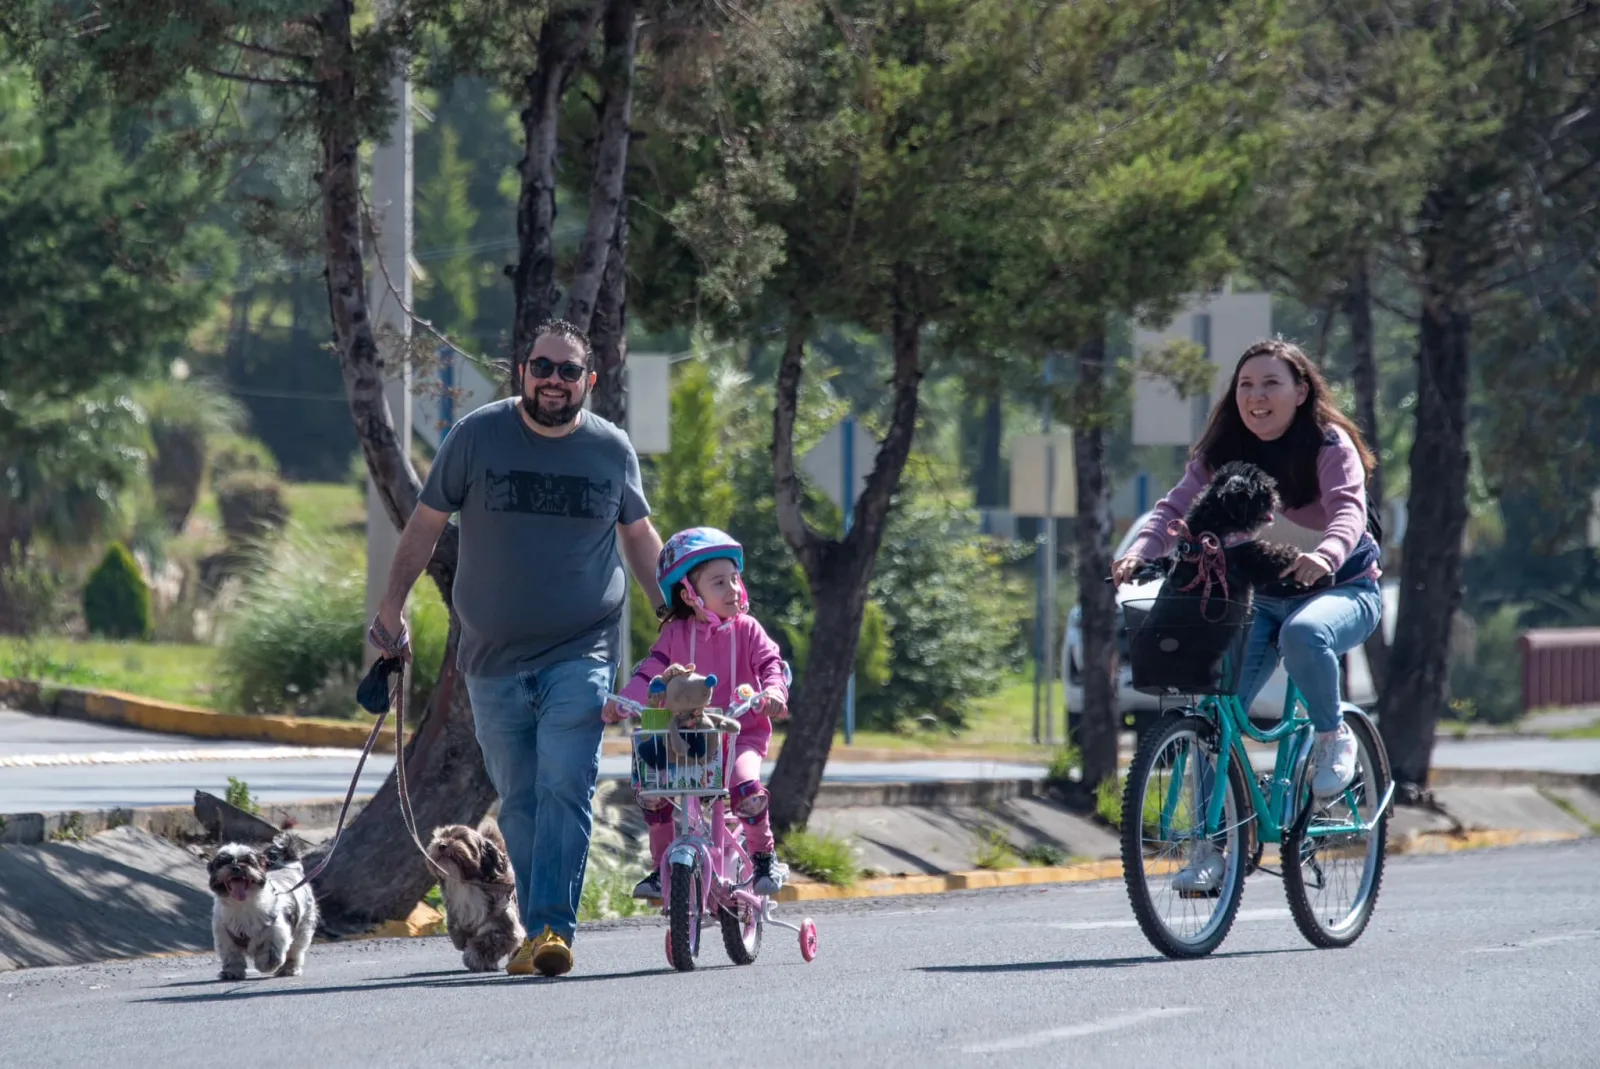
(747, 758)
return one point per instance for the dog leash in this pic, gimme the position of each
(392, 662)
(1210, 561)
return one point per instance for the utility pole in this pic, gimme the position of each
(391, 210)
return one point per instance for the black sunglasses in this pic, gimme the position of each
(542, 367)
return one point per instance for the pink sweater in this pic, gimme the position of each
(1340, 511)
(737, 652)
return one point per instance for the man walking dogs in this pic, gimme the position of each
(547, 494)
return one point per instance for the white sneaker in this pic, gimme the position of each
(1203, 874)
(1333, 761)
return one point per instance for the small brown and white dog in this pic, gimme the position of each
(480, 893)
(255, 916)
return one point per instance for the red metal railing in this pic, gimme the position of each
(1560, 666)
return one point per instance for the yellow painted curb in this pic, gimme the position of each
(1438, 842)
(130, 710)
(890, 886)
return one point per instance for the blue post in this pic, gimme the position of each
(447, 379)
(847, 453)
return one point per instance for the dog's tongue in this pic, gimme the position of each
(239, 889)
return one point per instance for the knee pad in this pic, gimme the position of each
(656, 810)
(749, 800)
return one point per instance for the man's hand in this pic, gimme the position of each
(388, 631)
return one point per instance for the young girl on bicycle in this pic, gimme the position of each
(706, 623)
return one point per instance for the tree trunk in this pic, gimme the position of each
(1099, 726)
(608, 332)
(837, 571)
(562, 39)
(376, 873)
(1364, 373)
(1419, 663)
(606, 190)
(990, 441)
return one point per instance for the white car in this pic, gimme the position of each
(1139, 709)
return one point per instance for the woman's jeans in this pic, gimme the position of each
(1311, 633)
(540, 736)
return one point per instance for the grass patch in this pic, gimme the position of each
(1045, 855)
(70, 832)
(238, 795)
(995, 852)
(173, 672)
(1589, 731)
(608, 892)
(822, 857)
(1108, 800)
(327, 510)
(435, 899)
(1063, 763)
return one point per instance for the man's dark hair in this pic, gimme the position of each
(561, 329)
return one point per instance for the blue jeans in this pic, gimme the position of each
(540, 736)
(1311, 633)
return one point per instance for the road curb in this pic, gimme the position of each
(129, 710)
(1416, 843)
(176, 822)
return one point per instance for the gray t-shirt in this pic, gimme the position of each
(539, 580)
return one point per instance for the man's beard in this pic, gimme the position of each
(552, 417)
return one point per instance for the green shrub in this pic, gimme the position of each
(1487, 687)
(299, 626)
(116, 601)
(184, 415)
(1063, 763)
(252, 505)
(429, 623)
(822, 857)
(995, 851)
(234, 453)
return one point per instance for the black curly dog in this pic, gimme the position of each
(1214, 573)
(1217, 540)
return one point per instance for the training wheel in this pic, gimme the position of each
(669, 950)
(808, 939)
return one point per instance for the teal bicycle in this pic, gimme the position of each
(1176, 823)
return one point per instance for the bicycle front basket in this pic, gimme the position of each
(677, 762)
(1183, 644)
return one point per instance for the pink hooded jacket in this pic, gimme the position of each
(736, 651)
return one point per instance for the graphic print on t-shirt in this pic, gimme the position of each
(537, 493)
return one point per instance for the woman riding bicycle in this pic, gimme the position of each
(1278, 416)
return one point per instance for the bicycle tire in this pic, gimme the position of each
(684, 914)
(741, 950)
(1294, 882)
(1133, 873)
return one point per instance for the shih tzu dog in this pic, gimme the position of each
(255, 916)
(480, 893)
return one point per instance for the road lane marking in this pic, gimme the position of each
(158, 757)
(1078, 1031)
(1275, 914)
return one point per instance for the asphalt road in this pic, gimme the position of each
(54, 765)
(1480, 959)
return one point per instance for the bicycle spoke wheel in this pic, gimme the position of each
(684, 915)
(741, 924)
(1332, 873)
(1163, 837)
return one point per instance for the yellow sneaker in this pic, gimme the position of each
(551, 954)
(521, 963)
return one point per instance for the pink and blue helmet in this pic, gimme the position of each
(690, 548)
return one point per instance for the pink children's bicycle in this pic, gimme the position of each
(706, 870)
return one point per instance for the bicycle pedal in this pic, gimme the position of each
(1213, 893)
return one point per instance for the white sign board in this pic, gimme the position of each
(649, 402)
(1030, 463)
(1235, 322)
(825, 462)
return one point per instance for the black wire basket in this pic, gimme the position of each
(1187, 644)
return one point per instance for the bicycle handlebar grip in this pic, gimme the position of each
(711, 681)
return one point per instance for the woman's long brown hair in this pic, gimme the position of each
(1226, 438)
